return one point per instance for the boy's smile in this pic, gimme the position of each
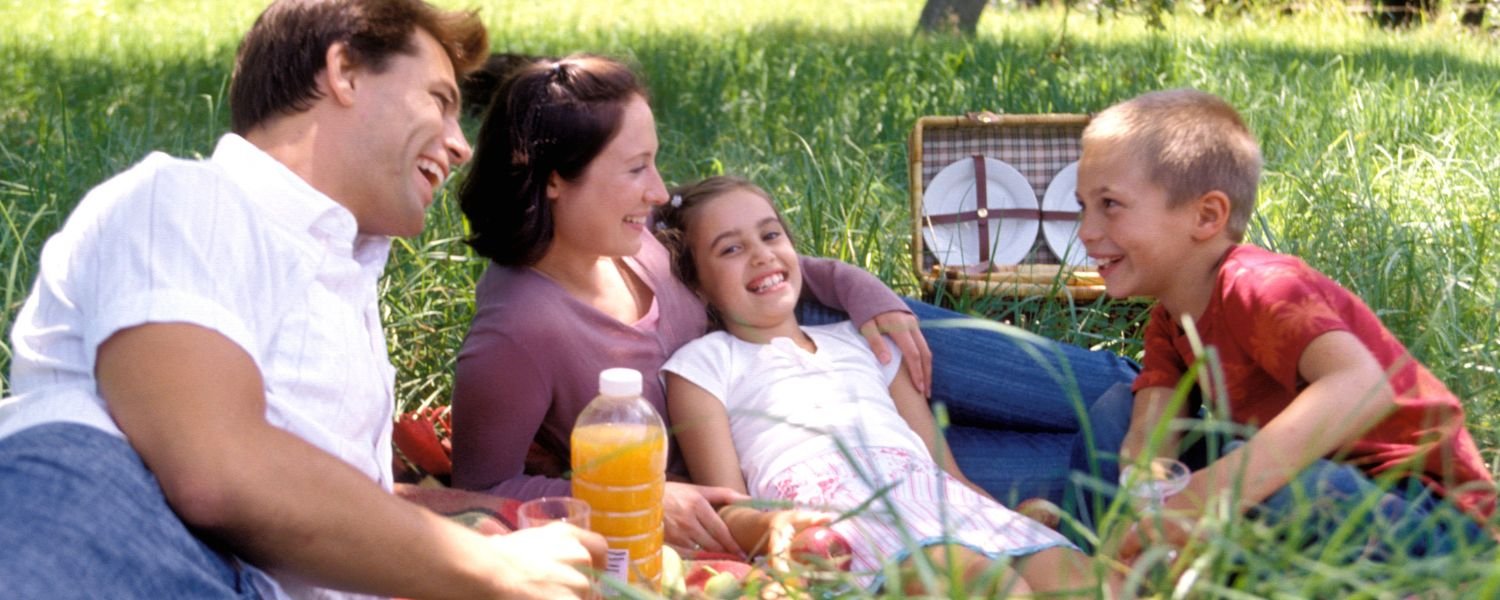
(1139, 243)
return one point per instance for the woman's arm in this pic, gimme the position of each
(875, 309)
(495, 419)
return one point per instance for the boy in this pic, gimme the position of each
(1167, 182)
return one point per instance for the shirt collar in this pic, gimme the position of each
(295, 203)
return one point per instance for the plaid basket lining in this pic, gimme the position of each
(1037, 151)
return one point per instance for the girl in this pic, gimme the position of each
(808, 415)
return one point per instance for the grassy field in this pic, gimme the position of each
(1382, 152)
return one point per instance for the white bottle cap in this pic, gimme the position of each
(619, 382)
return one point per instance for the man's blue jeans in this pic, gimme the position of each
(81, 517)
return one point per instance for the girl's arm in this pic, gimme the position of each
(702, 427)
(913, 407)
(770, 533)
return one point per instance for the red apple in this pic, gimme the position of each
(705, 555)
(822, 547)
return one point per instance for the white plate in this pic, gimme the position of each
(1062, 236)
(953, 191)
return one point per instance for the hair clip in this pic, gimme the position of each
(676, 201)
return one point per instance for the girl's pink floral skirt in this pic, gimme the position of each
(921, 506)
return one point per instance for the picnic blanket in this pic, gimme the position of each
(490, 515)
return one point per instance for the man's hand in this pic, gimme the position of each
(906, 332)
(553, 561)
(692, 518)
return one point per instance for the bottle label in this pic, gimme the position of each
(617, 563)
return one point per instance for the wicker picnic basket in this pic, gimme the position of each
(1038, 146)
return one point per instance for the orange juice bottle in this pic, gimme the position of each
(619, 468)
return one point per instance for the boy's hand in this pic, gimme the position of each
(906, 333)
(1173, 531)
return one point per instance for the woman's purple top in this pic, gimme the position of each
(533, 354)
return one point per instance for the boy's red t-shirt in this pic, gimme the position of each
(1266, 309)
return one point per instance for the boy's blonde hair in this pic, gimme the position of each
(1193, 143)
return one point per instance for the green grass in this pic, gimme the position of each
(1382, 152)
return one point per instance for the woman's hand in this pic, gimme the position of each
(692, 519)
(906, 332)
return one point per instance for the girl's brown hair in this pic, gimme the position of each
(673, 219)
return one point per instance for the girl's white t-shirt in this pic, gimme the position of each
(787, 405)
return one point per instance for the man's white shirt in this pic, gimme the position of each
(237, 244)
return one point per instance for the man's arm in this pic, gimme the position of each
(191, 402)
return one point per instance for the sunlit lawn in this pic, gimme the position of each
(1382, 152)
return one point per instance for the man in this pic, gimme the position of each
(203, 394)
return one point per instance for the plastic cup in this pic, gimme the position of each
(1149, 486)
(541, 511)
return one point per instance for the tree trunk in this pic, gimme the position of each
(951, 16)
(1473, 15)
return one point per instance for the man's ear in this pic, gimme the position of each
(1211, 214)
(337, 79)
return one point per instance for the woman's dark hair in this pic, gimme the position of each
(552, 116)
(279, 59)
(673, 219)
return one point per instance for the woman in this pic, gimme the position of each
(562, 179)
(563, 182)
